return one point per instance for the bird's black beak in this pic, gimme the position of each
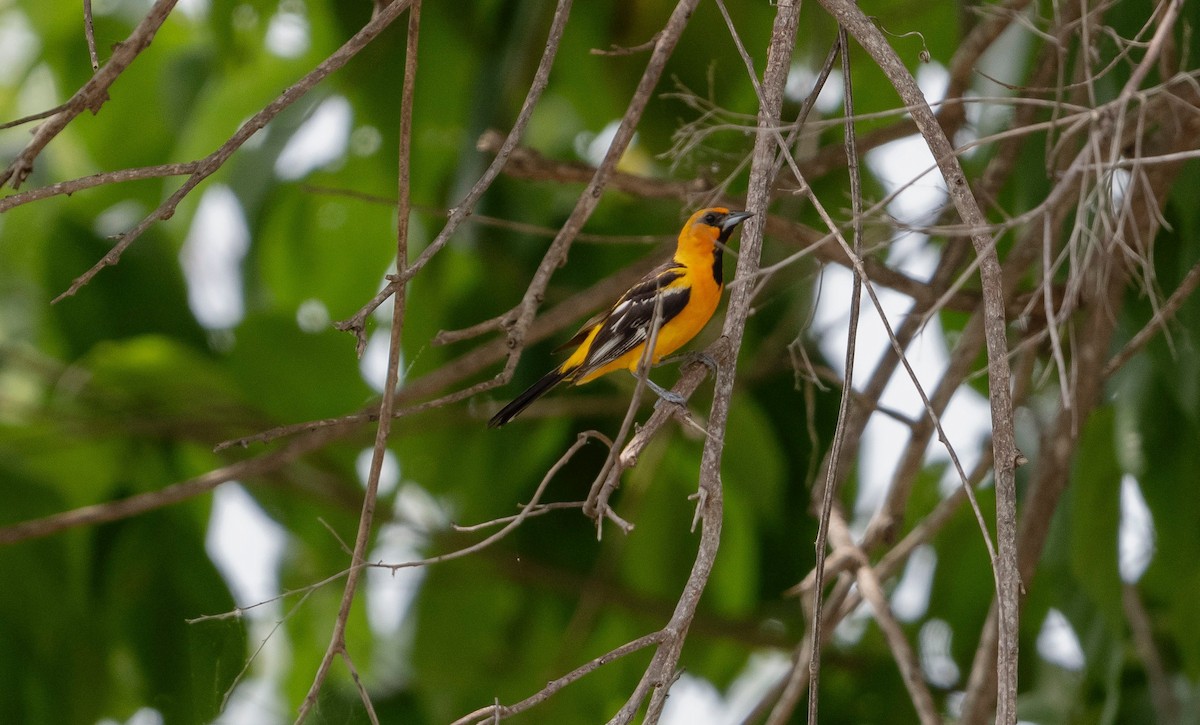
(731, 222)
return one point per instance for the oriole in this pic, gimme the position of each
(679, 296)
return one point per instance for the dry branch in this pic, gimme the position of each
(337, 644)
(995, 332)
(209, 164)
(92, 95)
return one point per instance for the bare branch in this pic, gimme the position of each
(89, 32)
(172, 494)
(337, 644)
(88, 182)
(209, 164)
(872, 591)
(92, 95)
(662, 669)
(463, 209)
(1003, 437)
(493, 713)
(832, 475)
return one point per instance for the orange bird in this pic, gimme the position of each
(679, 297)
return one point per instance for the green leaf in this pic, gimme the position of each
(1094, 511)
(293, 375)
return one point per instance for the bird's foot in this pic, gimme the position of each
(663, 394)
(687, 358)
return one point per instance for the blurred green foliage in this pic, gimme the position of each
(119, 390)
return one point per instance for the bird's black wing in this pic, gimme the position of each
(628, 323)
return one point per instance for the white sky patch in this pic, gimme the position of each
(933, 80)
(592, 147)
(910, 598)
(312, 316)
(373, 365)
(418, 514)
(143, 716)
(421, 510)
(288, 32)
(933, 643)
(966, 419)
(1058, 644)
(800, 82)
(390, 594)
(194, 9)
(320, 141)
(1119, 182)
(1003, 61)
(254, 702)
(1135, 537)
(696, 701)
(389, 470)
(693, 701)
(895, 163)
(19, 45)
(246, 545)
(118, 218)
(851, 629)
(212, 258)
(100, 8)
(762, 671)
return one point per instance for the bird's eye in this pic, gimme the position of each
(710, 219)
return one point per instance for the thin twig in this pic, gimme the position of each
(337, 644)
(1003, 437)
(32, 117)
(89, 33)
(541, 78)
(1163, 316)
(662, 670)
(872, 592)
(209, 164)
(493, 713)
(101, 179)
(538, 510)
(92, 95)
(143, 502)
(832, 473)
(528, 510)
(363, 695)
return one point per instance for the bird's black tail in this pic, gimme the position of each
(525, 399)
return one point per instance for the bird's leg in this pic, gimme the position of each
(687, 358)
(663, 393)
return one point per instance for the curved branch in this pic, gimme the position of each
(209, 164)
(710, 505)
(92, 95)
(995, 331)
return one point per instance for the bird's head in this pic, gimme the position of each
(719, 219)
